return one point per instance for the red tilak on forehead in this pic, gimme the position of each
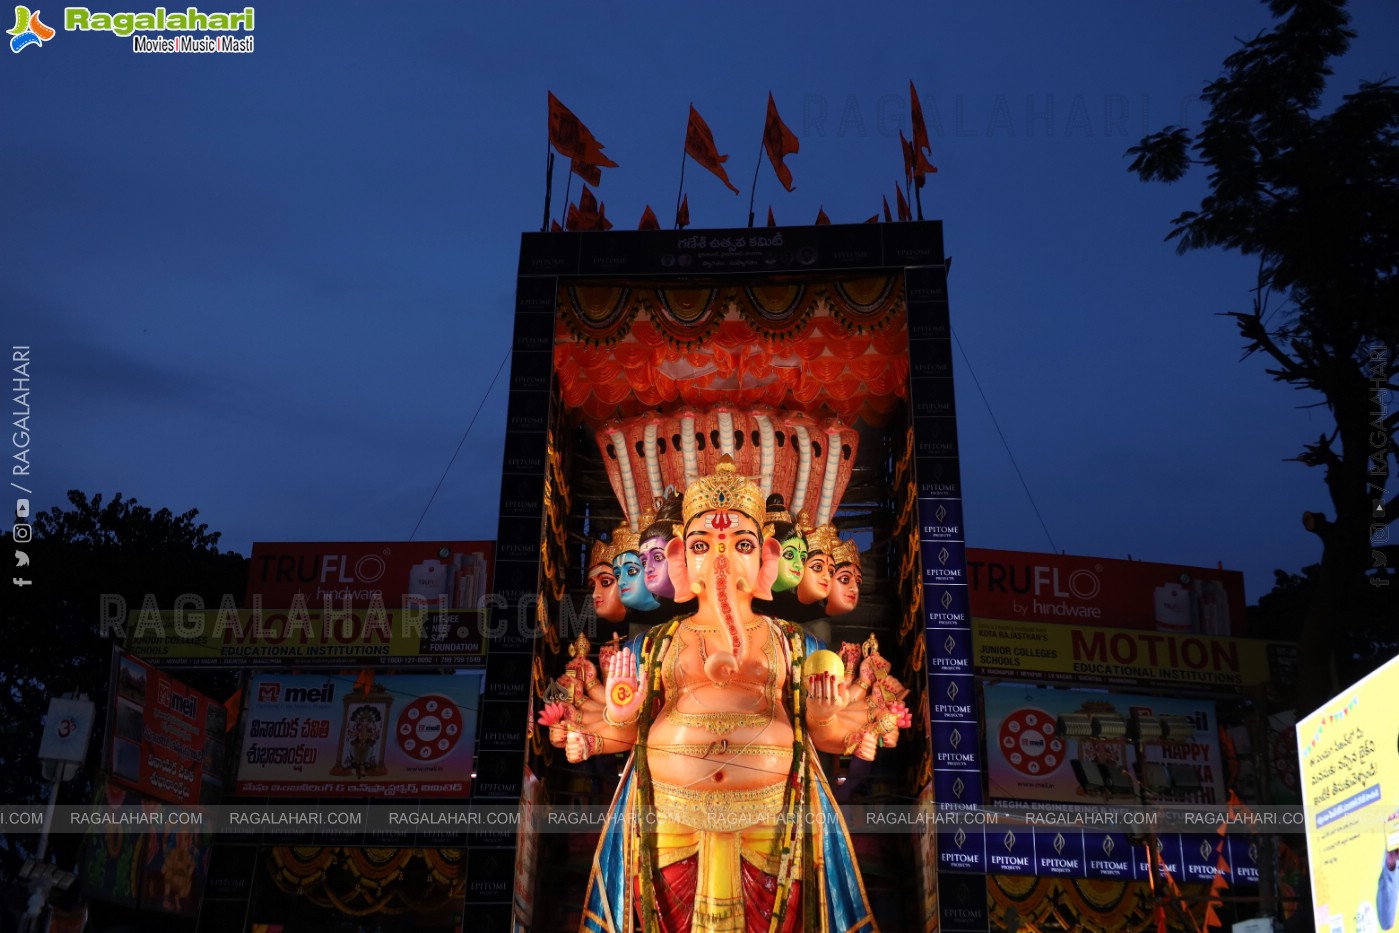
(719, 521)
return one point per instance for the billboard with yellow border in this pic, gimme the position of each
(1349, 751)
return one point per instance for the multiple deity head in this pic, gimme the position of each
(647, 569)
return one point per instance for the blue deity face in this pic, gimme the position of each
(631, 582)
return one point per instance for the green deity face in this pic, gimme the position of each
(789, 572)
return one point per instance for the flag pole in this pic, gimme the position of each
(756, 169)
(567, 194)
(918, 197)
(684, 154)
(548, 185)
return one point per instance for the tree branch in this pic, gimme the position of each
(1252, 330)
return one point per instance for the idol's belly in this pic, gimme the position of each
(705, 749)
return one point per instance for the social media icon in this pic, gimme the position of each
(21, 559)
(23, 531)
(21, 508)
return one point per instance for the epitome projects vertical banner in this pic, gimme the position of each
(942, 545)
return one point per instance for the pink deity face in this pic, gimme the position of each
(607, 599)
(845, 590)
(815, 583)
(722, 547)
(657, 574)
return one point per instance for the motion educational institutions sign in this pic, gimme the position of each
(1349, 752)
(334, 604)
(1088, 654)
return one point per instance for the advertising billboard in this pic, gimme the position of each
(144, 864)
(1349, 752)
(309, 637)
(363, 572)
(1134, 594)
(1088, 654)
(313, 735)
(164, 739)
(1029, 759)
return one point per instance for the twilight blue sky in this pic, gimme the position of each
(274, 287)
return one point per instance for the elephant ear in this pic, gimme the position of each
(768, 568)
(679, 573)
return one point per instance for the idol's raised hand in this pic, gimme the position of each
(623, 697)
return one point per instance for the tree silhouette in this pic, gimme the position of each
(1315, 196)
(53, 641)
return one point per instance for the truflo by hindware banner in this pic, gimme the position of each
(1101, 591)
(333, 736)
(1027, 760)
(362, 572)
(1349, 752)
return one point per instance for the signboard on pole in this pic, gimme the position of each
(164, 739)
(67, 729)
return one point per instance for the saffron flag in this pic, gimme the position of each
(232, 707)
(570, 137)
(906, 148)
(699, 145)
(920, 129)
(682, 216)
(887, 218)
(589, 216)
(554, 226)
(821, 217)
(873, 218)
(780, 142)
(648, 220)
(916, 168)
(592, 174)
(904, 212)
(921, 165)
(772, 221)
(601, 222)
(572, 220)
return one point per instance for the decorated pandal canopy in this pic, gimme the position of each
(1086, 905)
(818, 346)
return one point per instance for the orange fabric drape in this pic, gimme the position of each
(825, 347)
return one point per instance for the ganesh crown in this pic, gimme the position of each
(725, 488)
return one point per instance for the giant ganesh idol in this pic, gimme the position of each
(723, 819)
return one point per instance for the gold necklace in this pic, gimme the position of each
(711, 629)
